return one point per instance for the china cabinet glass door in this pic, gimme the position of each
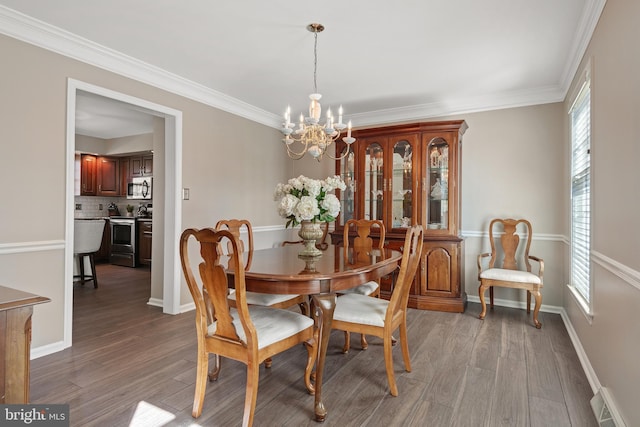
(402, 182)
(437, 184)
(374, 183)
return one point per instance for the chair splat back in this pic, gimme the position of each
(411, 258)
(510, 242)
(363, 243)
(235, 228)
(210, 296)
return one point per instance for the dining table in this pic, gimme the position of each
(279, 270)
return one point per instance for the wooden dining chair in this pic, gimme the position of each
(375, 316)
(362, 246)
(509, 264)
(238, 227)
(248, 334)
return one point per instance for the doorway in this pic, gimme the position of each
(170, 208)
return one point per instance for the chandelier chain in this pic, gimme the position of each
(315, 62)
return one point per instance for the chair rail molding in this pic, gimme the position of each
(629, 275)
(39, 246)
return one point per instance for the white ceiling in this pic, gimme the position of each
(383, 61)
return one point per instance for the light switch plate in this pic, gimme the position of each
(185, 194)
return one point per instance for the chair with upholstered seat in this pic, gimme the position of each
(236, 227)
(248, 334)
(509, 265)
(363, 244)
(375, 316)
(87, 238)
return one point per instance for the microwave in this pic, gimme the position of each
(140, 188)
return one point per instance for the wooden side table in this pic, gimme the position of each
(16, 308)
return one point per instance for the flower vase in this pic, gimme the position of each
(310, 231)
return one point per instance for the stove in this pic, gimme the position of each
(123, 241)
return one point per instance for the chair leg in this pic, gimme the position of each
(481, 291)
(201, 383)
(491, 296)
(347, 342)
(312, 350)
(363, 341)
(81, 259)
(528, 301)
(388, 363)
(92, 261)
(538, 296)
(268, 362)
(405, 345)
(304, 308)
(215, 372)
(251, 394)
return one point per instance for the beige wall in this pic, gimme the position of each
(612, 340)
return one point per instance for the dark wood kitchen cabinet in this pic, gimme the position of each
(105, 247)
(141, 166)
(88, 167)
(108, 176)
(405, 175)
(99, 176)
(144, 241)
(125, 175)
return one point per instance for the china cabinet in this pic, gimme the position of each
(411, 174)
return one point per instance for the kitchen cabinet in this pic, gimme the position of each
(99, 176)
(105, 247)
(88, 167)
(144, 241)
(404, 175)
(125, 175)
(141, 165)
(108, 176)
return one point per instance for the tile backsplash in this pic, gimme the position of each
(96, 207)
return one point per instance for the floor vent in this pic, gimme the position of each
(604, 410)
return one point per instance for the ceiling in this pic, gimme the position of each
(383, 61)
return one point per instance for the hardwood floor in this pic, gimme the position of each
(132, 365)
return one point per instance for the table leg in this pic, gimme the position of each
(323, 314)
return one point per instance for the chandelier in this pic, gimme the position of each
(311, 136)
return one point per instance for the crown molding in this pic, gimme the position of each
(46, 36)
(488, 102)
(41, 34)
(587, 25)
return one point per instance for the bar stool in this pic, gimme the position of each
(87, 238)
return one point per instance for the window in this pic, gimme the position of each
(581, 192)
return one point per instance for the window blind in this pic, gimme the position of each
(581, 192)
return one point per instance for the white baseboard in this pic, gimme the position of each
(516, 304)
(47, 349)
(156, 302)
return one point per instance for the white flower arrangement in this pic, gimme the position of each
(306, 199)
